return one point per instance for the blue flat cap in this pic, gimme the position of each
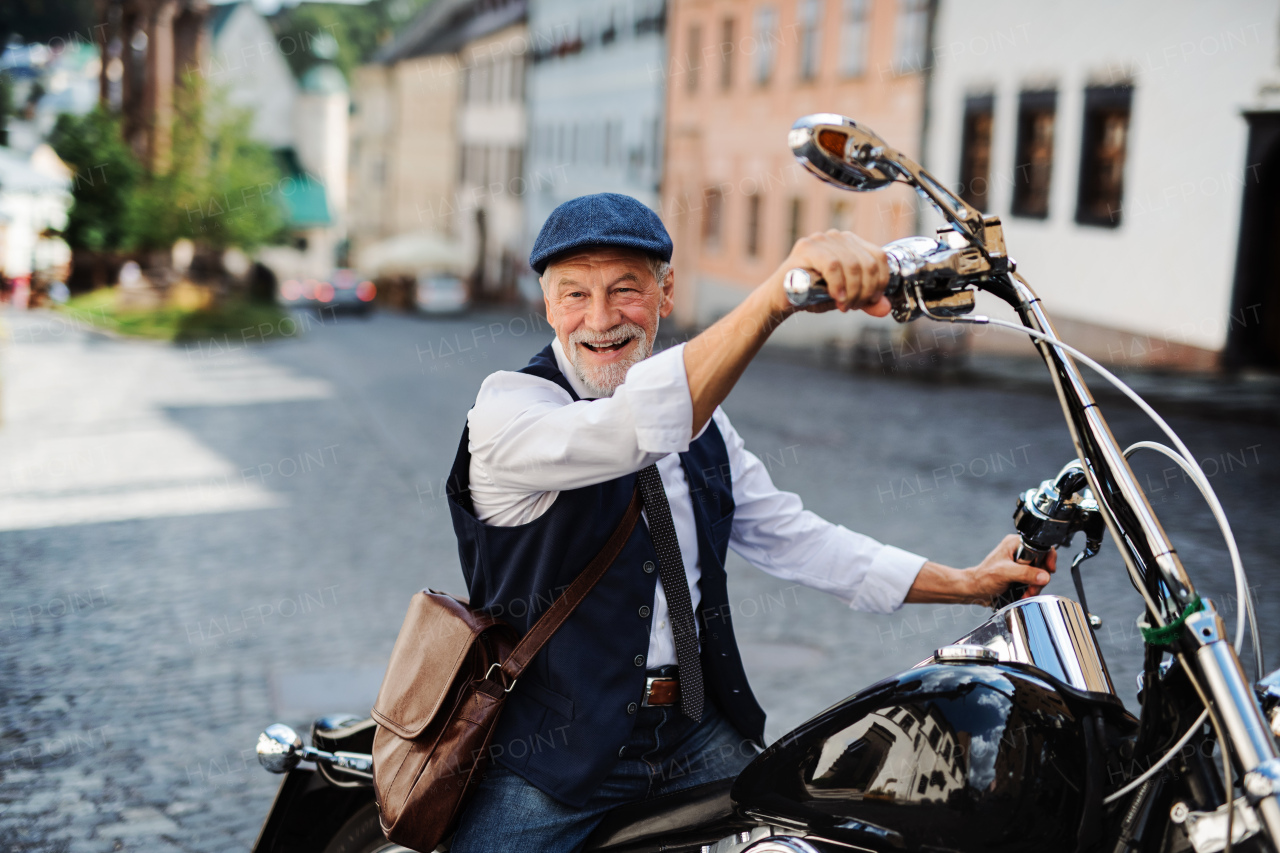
(600, 220)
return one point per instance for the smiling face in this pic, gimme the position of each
(605, 305)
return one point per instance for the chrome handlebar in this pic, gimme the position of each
(280, 750)
(926, 277)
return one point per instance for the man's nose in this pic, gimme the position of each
(601, 317)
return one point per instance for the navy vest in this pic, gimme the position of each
(567, 716)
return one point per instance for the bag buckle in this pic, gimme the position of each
(498, 667)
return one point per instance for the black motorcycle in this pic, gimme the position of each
(1011, 738)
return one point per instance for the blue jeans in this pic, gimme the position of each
(666, 752)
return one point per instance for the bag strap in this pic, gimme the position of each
(559, 611)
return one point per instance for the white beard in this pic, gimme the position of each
(603, 380)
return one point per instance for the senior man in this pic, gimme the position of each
(642, 692)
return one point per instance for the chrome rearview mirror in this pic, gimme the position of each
(841, 152)
(838, 151)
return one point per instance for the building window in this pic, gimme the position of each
(840, 215)
(515, 167)
(911, 37)
(726, 54)
(657, 145)
(810, 37)
(517, 78)
(753, 225)
(975, 151)
(691, 59)
(1034, 164)
(766, 43)
(1106, 136)
(712, 216)
(795, 222)
(853, 38)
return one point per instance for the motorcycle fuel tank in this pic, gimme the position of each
(962, 756)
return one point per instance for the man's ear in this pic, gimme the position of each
(668, 294)
(546, 302)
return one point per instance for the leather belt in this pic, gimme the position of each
(661, 687)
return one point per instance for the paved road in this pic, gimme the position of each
(197, 541)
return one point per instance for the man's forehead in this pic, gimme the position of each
(579, 262)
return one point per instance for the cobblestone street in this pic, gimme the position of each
(197, 541)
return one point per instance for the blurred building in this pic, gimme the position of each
(737, 77)
(303, 121)
(35, 195)
(1134, 156)
(596, 89)
(438, 121)
(488, 213)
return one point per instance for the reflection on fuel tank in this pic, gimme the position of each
(901, 753)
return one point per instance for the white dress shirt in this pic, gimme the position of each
(530, 441)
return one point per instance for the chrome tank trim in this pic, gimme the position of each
(1050, 633)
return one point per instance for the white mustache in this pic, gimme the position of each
(616, 335)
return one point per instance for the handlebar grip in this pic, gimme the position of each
(1028, 556)
(804, 288)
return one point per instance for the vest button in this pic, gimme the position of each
(639, 661)
(632, 708)
(644, 611)
(649, 567)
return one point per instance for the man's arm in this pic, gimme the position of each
(856, 272)
(773, 531)
(939, 584)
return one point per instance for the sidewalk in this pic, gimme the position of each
(1252, 397)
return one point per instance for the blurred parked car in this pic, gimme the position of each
(441, 293)
(344, 291)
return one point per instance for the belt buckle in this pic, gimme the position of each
(649, 681)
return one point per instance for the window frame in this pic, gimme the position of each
(1100, 102)
(847, 23)
(1032, 104)
(809, 14)
(975, 106)
(713, 218)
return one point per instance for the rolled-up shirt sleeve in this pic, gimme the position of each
(530, 435)
(773, 531)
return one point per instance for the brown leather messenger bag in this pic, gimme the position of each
(450, 672)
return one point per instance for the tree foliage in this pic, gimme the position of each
(357, 30)
(48, 20)
(219, 187)
(105, 173)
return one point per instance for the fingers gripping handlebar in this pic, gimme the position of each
(926, 277)
(1048, 517)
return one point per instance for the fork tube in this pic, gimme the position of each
(1134, 527)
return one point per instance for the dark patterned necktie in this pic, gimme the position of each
(676, 585)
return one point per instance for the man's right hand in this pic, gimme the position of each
(855, 270)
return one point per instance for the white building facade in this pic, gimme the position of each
(492, 123)
(1119, 143)
(596, 100)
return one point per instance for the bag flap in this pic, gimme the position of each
(435, 640)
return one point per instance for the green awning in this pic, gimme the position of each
(302, 194)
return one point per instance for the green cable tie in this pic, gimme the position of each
(1169, 633)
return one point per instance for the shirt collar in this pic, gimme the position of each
(566, 367)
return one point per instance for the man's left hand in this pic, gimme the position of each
(980, 584)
